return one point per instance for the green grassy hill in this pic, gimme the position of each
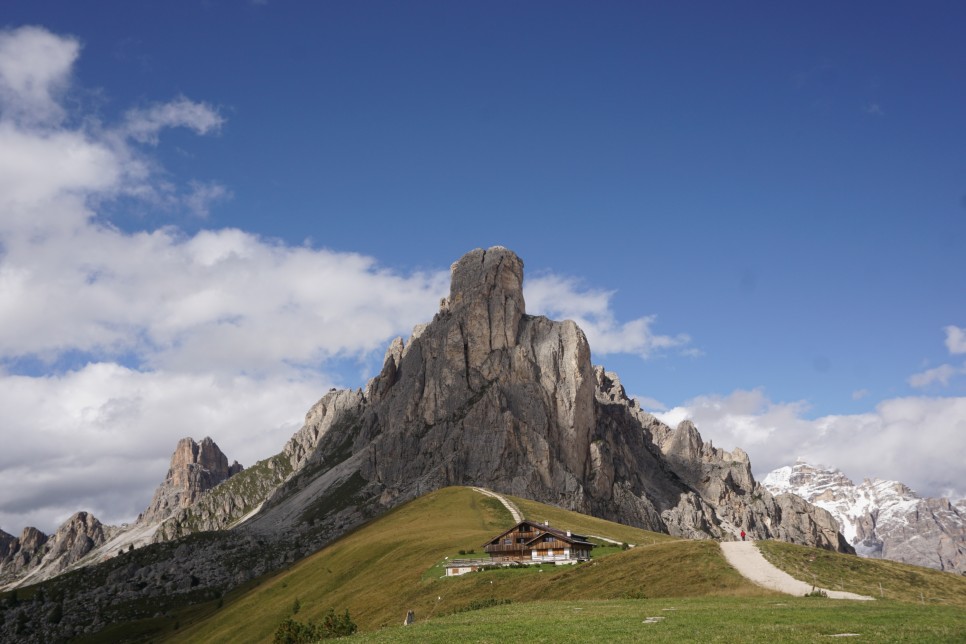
(394, 564)
(387, 567)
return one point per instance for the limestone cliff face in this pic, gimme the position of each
(195, 469)
(488, 395)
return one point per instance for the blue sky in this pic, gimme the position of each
(757, 212)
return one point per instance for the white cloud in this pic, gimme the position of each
(955, 339)
(859, 394)
(562, 298)
(99, 438)
(144, 125)
(920, 441)
(42, 173)
(34, 71)
(940, 374)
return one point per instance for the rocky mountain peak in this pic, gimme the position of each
(36, 556)
(486, 301)
(31, 539)
(481, 276)
(196, 467)
(881, 518)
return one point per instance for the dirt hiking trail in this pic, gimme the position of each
(746, 559)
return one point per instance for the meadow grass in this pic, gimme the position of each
(721, 619)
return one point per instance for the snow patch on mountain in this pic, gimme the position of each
(880, 518)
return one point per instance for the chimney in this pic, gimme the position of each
(568, 533)
(546, 523)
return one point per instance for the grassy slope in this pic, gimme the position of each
(387, 567)
(378, 571)
(873, 577)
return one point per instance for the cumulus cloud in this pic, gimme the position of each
(563, 298)
(34, 71)
(955, 339)
(920, 441)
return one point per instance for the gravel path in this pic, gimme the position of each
(746, 559)
(507, 503)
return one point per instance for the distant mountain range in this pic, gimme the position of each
(882, 519)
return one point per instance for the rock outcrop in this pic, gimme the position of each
(195, 469)
(23, 553)
(882, 519)
(35, 556)
(228, 503)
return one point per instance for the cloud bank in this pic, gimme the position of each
(916, 440)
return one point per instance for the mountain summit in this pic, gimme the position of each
(195, 469)
(882, 519)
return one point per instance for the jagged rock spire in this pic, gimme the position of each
(195, 469)
(486, 294)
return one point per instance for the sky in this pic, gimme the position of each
(212, 212)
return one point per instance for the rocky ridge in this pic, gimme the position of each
(882, 519)
(35, 556)
(196, 468)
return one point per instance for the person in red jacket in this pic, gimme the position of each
(742, 535)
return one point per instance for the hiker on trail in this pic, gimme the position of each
(742, 535)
